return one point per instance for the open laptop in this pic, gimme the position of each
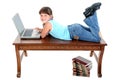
(23, 32)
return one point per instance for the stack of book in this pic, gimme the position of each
(81, 66)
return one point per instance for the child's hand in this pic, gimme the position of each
(38, 29)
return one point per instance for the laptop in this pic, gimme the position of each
(23, 32)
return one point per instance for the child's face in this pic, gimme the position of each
(45, 17)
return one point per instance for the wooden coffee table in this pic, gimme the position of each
(50, 43)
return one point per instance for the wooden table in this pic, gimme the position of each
(50, 43)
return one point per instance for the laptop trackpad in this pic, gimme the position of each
(28, 32)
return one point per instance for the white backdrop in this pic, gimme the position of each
(56, 65)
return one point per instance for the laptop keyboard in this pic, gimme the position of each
(28, 32)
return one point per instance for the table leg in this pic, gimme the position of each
(100, 61)
(18, 61)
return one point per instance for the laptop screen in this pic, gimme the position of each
(18, 23)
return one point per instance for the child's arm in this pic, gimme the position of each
(47, 27)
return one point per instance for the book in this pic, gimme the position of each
(81, 66)
(76, 64)
(82, 60)
(84, 72)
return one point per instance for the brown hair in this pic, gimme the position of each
(46, 10)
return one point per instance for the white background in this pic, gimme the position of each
(57, 65)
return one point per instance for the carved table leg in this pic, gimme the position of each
(18, 61)
(100, 61)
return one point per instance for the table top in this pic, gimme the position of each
(50, 40)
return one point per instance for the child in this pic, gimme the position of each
(73, 31)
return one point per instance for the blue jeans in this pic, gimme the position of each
(84, 33)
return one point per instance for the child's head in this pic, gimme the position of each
(45, 14)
